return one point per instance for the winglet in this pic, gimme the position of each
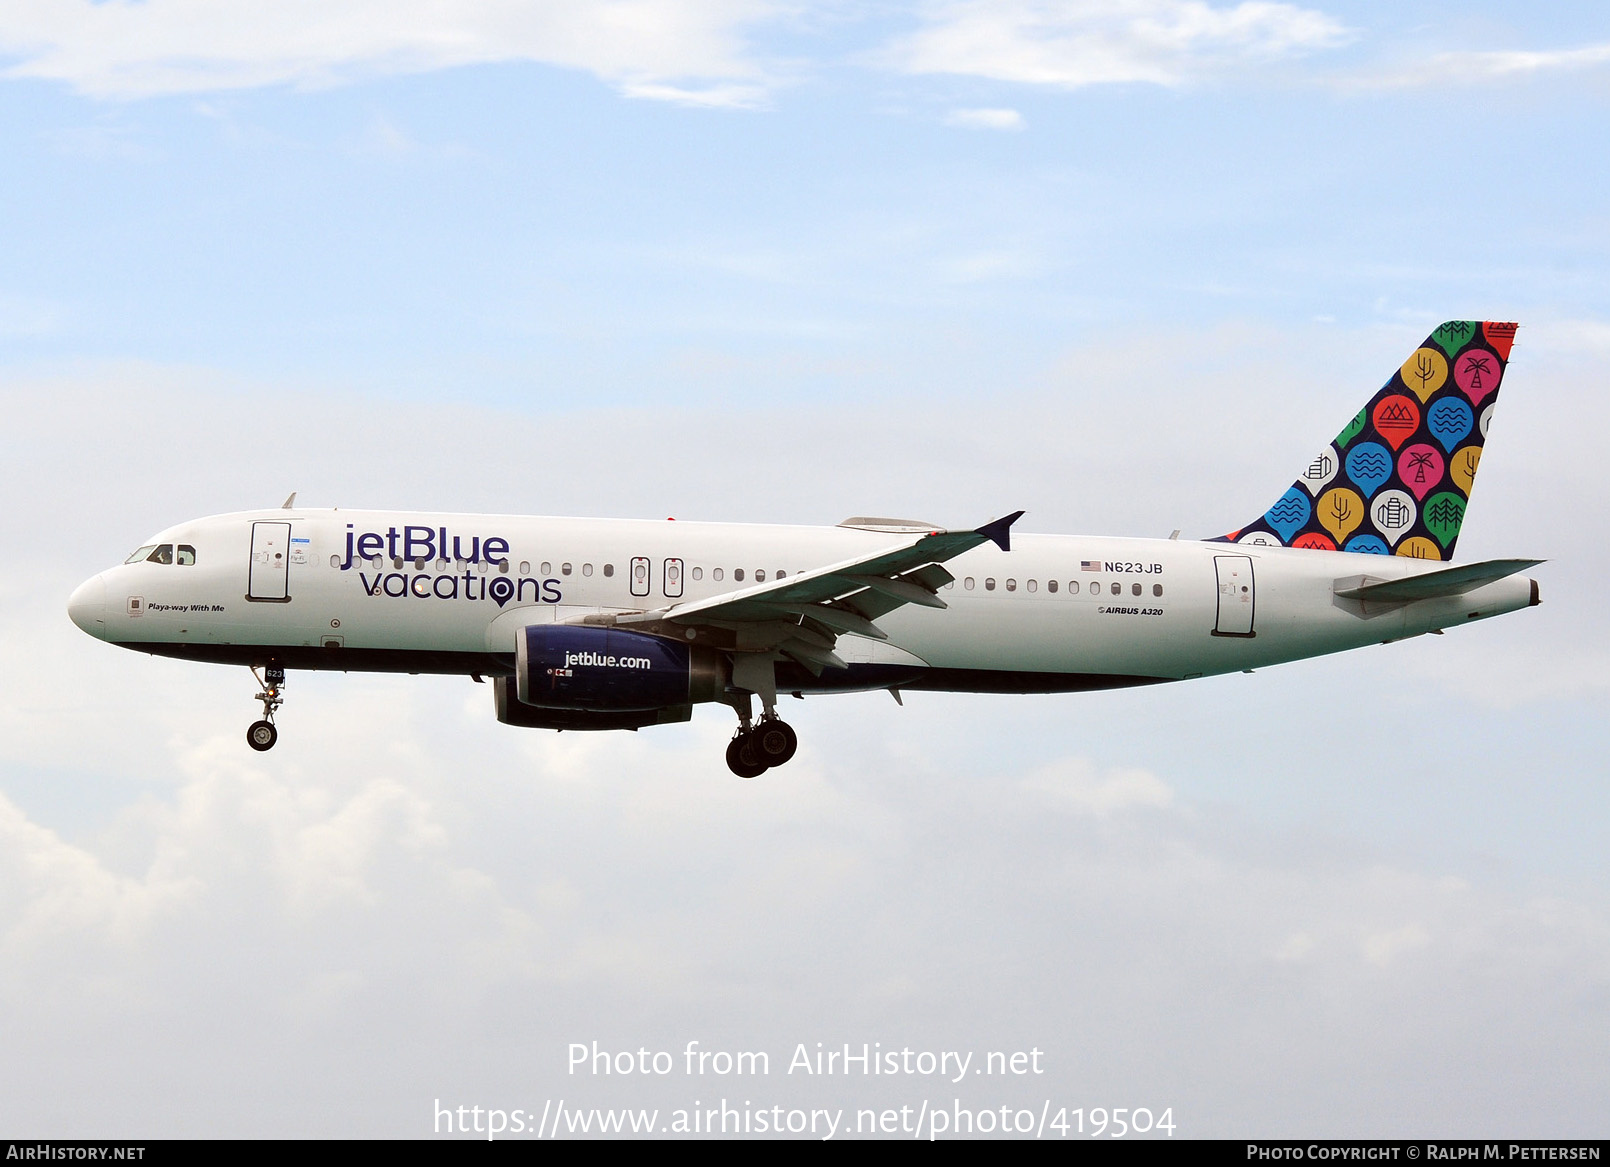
(1000, 531)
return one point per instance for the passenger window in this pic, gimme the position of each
(698, 573)
(1157, 589)
(187, 555)
(738, 574)
(335, 561)
(586, 569)
(760, 576)
(547, 568)
(716, 575)
(989, 583)
(503, 566)
(1032, 586)
(609, 570)
(1134, 589)
(525, 567)
(782, 575)
(1095, 588)
(564, 569)
(163, 554)
(968, 583)
(139, 556)
(1011, 585)
(1051, 586)
(1117, 589)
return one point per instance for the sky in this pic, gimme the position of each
(1124, 264)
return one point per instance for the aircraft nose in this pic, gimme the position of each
(87, 607)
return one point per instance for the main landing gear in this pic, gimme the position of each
(754, 750)
(261, 735)
(757, 747)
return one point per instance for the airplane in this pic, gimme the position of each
(599, 624)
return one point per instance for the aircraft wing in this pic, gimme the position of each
(803, 615)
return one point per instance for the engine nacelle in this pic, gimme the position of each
(512, 712)
(592, 668)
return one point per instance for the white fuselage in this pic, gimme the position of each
(359, 590)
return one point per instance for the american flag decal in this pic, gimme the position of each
(1090, 564)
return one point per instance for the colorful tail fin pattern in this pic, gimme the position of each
(1397, 479)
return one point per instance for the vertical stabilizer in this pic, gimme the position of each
(1397, 479)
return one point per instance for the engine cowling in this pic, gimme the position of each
(599, 669)
(512, 712)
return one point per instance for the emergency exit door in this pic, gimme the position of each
(640, 575)
(268, 579)
(1237, 595)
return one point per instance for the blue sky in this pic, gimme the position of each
(494, 228)
(1125, 264)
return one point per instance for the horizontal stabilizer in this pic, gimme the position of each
(1452, 581)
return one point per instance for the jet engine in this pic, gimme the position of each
(569, 676)
(512, 712)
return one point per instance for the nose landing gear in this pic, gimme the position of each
(261, 735)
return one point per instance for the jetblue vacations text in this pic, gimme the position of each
(422, 545)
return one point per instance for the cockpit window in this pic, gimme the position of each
(163, 554)
(187, 555)
(140, 555)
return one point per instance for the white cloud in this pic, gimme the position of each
(1382, 949)
(1476, 68)
(1002, 263)
(985, 119)
(405, 899)
(1589, 337)
(1164, 42)
(684, 50)
(1075, 784)
(363, 910)
(28, 316)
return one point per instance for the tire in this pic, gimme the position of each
(261, 735)
(775, 742)
(743, 759)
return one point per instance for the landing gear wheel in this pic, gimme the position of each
(262, 735)
(775, 741)
(743, 758)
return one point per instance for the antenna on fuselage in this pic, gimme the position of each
(290, 501)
